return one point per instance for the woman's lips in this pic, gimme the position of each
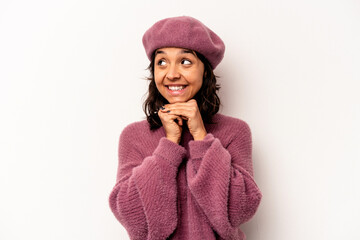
(176, 89)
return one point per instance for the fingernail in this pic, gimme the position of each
(162, 108)
(168, 111)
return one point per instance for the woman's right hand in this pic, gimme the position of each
(172, 125)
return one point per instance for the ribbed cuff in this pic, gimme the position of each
(197, 149)
(170, 151)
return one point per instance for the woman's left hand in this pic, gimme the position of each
(189, 111)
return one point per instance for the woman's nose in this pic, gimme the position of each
(173, 73)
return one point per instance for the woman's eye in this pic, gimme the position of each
(186, 62)
(161, 62)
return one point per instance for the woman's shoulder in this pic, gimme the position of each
(137, 127)
(228, 122)
(140, 131)
(138, 124)
(226, 128)
(137, 137)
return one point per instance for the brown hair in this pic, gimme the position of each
(207, 99)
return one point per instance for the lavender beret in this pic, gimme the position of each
(184, 32)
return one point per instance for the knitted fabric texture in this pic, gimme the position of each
(194, 190)
(184, 32)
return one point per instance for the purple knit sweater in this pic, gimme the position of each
(194, 190)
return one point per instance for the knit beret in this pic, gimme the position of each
(184, 32)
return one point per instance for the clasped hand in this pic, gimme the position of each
(173, 115)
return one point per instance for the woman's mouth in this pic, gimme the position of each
(176, 89)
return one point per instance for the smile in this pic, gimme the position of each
(176, 88)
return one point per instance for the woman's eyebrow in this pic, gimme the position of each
(159, 51)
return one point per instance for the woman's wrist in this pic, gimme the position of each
(173, 139)
(200, 136)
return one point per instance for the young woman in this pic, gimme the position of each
(186, 172)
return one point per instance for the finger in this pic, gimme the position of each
(192, 106)
(179, 121)
(172, 108)
(167, 117)
(164, 117)
(184, 113)
(189, 102)
(178, 105)
(165, 110)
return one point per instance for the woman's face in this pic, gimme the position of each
(178, 73)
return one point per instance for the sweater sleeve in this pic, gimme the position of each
(144, 197)
(221, 180)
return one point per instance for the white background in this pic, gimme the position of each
(72, 77)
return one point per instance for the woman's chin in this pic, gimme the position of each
(178, 100)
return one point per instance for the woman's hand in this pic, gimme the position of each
(188, 111)
(172, 125)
